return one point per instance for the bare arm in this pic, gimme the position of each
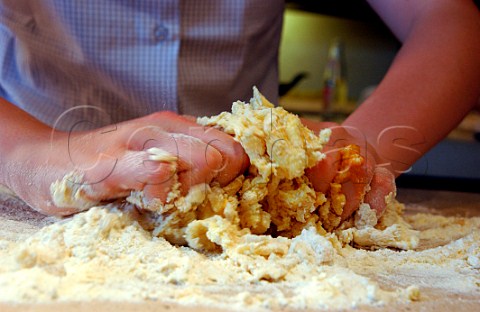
(17, 128)
(114, 160)
(432, 83)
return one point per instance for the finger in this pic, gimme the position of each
(354, 193)
(134, 170)
(234, 159)
(322, 174)
(190, 118)
(383, 183)
(356, 179)
(203, 160)
(165, 174)
(197, 162)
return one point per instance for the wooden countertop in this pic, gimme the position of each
(446, 203)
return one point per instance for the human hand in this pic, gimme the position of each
(365, 182)
(114, 160)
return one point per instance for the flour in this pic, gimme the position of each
(391, 230)
(104, 254)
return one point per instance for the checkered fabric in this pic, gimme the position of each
(84, 64)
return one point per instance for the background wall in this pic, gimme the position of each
(369, 50)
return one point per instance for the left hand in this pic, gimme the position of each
(367, 182)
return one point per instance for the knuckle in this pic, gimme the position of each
(215, 160)
(161, 115)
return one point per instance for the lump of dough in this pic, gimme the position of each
(274, 196)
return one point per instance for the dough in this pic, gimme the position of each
(274, 197)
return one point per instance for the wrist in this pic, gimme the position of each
(18, 151)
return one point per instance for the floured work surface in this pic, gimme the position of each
(120, 254)
(444, 285)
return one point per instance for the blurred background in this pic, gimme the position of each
(311, 28)
(333, 54)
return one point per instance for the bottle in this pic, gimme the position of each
(335, 87)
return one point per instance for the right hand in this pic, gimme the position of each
(113, 160)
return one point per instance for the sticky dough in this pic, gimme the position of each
(273, 197)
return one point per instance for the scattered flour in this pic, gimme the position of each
(105, 254)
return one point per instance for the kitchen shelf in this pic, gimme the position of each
(312, 107)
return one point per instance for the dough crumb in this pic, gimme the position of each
(72, 192)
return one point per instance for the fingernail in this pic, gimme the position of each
(213, 158)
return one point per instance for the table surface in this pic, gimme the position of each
(443, 202)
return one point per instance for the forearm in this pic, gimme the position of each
(431, 85)
(18, 129)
